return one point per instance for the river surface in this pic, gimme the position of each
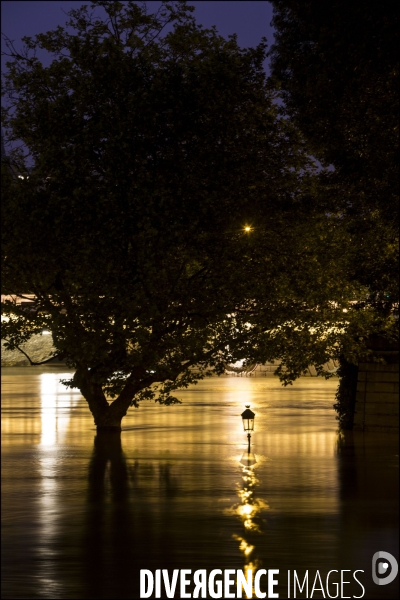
(82, 514)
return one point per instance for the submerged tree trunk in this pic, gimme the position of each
(107, 419)
(107, 416)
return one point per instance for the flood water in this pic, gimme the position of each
(82, 514)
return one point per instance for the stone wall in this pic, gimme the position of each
(38, 348)
(377, 398)
(268, 368)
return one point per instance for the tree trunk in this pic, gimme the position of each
(108, 417)
(107, 421)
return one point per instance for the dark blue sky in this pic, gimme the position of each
(250, 20)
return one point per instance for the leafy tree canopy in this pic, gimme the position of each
(161, 211)
(336, 65)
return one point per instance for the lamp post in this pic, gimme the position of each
(248, 423)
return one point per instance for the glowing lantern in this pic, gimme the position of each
(248, 423)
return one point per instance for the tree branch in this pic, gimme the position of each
(38, 363)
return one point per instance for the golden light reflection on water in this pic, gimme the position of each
(174, 492)
(249, 510)
(249, 507)
(56, 403)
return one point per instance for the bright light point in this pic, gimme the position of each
(245, 510)
(45, 332)
(247, 228)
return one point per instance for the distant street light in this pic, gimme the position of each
(248, 423)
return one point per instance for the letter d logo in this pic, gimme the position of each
(384, 568)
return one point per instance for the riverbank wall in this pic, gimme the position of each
(377, 396)
(40, 347)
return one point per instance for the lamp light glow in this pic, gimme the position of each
(248, 423)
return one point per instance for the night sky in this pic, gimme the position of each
(250, 20)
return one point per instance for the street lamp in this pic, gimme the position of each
(248, 423)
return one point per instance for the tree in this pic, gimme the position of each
(336, 66)
(160, 210)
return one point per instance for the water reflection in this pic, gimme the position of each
(56, 406)
(109, 459)
(81, 517)
(248, 510)
(248, 459)
(108, 535)
(250, 506)
(368, 470)
(122, 520)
